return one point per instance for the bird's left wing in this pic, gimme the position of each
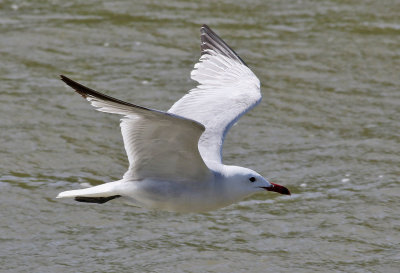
(159, 145)
(227, 89)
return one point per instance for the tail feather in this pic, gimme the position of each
(103, 193)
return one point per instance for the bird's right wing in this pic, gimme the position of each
(159, 145)
(227, 90)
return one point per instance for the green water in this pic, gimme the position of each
(327, 128)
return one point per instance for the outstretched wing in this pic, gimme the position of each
(227, 89)
(159, 145)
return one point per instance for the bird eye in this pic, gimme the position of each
(252, 179)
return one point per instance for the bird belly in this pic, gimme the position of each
(172, 196)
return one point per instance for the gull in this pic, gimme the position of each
(175, 157)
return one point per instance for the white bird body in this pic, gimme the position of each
(221, 189)
(176, 156)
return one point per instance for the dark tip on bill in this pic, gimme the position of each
(279, 189)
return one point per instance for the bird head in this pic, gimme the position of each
(243, 181)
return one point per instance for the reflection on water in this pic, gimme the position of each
(328, 128)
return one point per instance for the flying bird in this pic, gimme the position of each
(175, 157)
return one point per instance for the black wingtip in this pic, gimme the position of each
(211, 41)
(66, 79)
(79, 88)
(86, 92)
(205, 26)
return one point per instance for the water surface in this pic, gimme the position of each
(328, 128)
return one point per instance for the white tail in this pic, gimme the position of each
(104, 190)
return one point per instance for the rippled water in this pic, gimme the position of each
(328, 128)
